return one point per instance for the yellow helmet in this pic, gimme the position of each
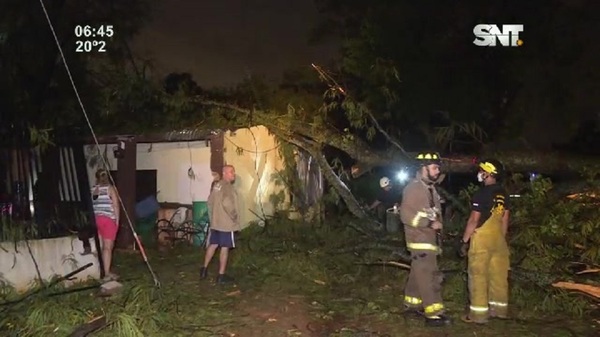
(428, 158)
(491, 166)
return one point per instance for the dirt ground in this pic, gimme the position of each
(276, 308)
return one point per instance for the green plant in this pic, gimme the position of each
(555, 227)
(547, 232)
(15, 231)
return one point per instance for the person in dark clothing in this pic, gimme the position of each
(387, 198)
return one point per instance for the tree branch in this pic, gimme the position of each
(333, 84)
(366, 158)
(356, 148)
(340, 187)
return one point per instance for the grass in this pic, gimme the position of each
(290, 282)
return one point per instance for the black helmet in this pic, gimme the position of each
(492, 166)
(428, 158)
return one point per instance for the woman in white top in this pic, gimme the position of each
(106, 211)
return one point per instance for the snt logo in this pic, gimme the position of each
(486, 35)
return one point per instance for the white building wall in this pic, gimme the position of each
(172, 162)
(255, 165)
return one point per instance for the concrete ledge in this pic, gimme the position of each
(54, 257)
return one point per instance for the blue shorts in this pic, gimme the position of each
(222, 239)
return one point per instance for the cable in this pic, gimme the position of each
(104, 161)
(259, 190)
(256, 152)
(255, 144)
(190, 173)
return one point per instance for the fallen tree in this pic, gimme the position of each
(315, 137)
(316, 128)
(294, 129)
(311, 130)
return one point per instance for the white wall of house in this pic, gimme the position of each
(172, 161)
(19, 266)
(255, 166)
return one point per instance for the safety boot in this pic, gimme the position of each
(437, 321)
(493, 314)
(413, 312)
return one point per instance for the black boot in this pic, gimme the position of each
(437, 321)
(203, 272)
(224, 279)
(413, 312)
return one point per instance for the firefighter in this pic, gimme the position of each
(420, 213)
(484, 240)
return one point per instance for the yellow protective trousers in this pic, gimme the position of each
(489, 263)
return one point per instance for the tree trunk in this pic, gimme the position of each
(369, 225)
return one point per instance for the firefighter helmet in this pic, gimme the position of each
(492, 166)
(428, 158)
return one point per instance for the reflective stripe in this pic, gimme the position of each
(412, 300)
(417, 218)
(498, 304)
(434, 308)
(422, 246)
(478, 309)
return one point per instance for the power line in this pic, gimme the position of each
(255, 151)
(85, 115)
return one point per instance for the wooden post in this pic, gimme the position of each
(126, 172)
(217, 143)
(86, 198)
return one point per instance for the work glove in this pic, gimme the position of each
(463, 249)
(431, 213)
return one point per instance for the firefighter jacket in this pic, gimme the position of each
(421, 205)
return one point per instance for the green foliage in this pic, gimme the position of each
(321, 268)
(37, 94)
(131, 103)
(555, 228)
(41, 138)
(445, 137)
(15, 231)
(407, 60)
(130, 317)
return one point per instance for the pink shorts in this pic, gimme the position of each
(107, 227)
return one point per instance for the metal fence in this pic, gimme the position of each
(45, 189)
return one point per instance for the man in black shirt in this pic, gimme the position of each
(488, 252)
(387, 198)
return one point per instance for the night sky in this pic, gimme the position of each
(222, 41)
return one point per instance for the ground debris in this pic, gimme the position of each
(87, 328)
(585, 288)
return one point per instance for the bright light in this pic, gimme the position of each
(402, 176)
